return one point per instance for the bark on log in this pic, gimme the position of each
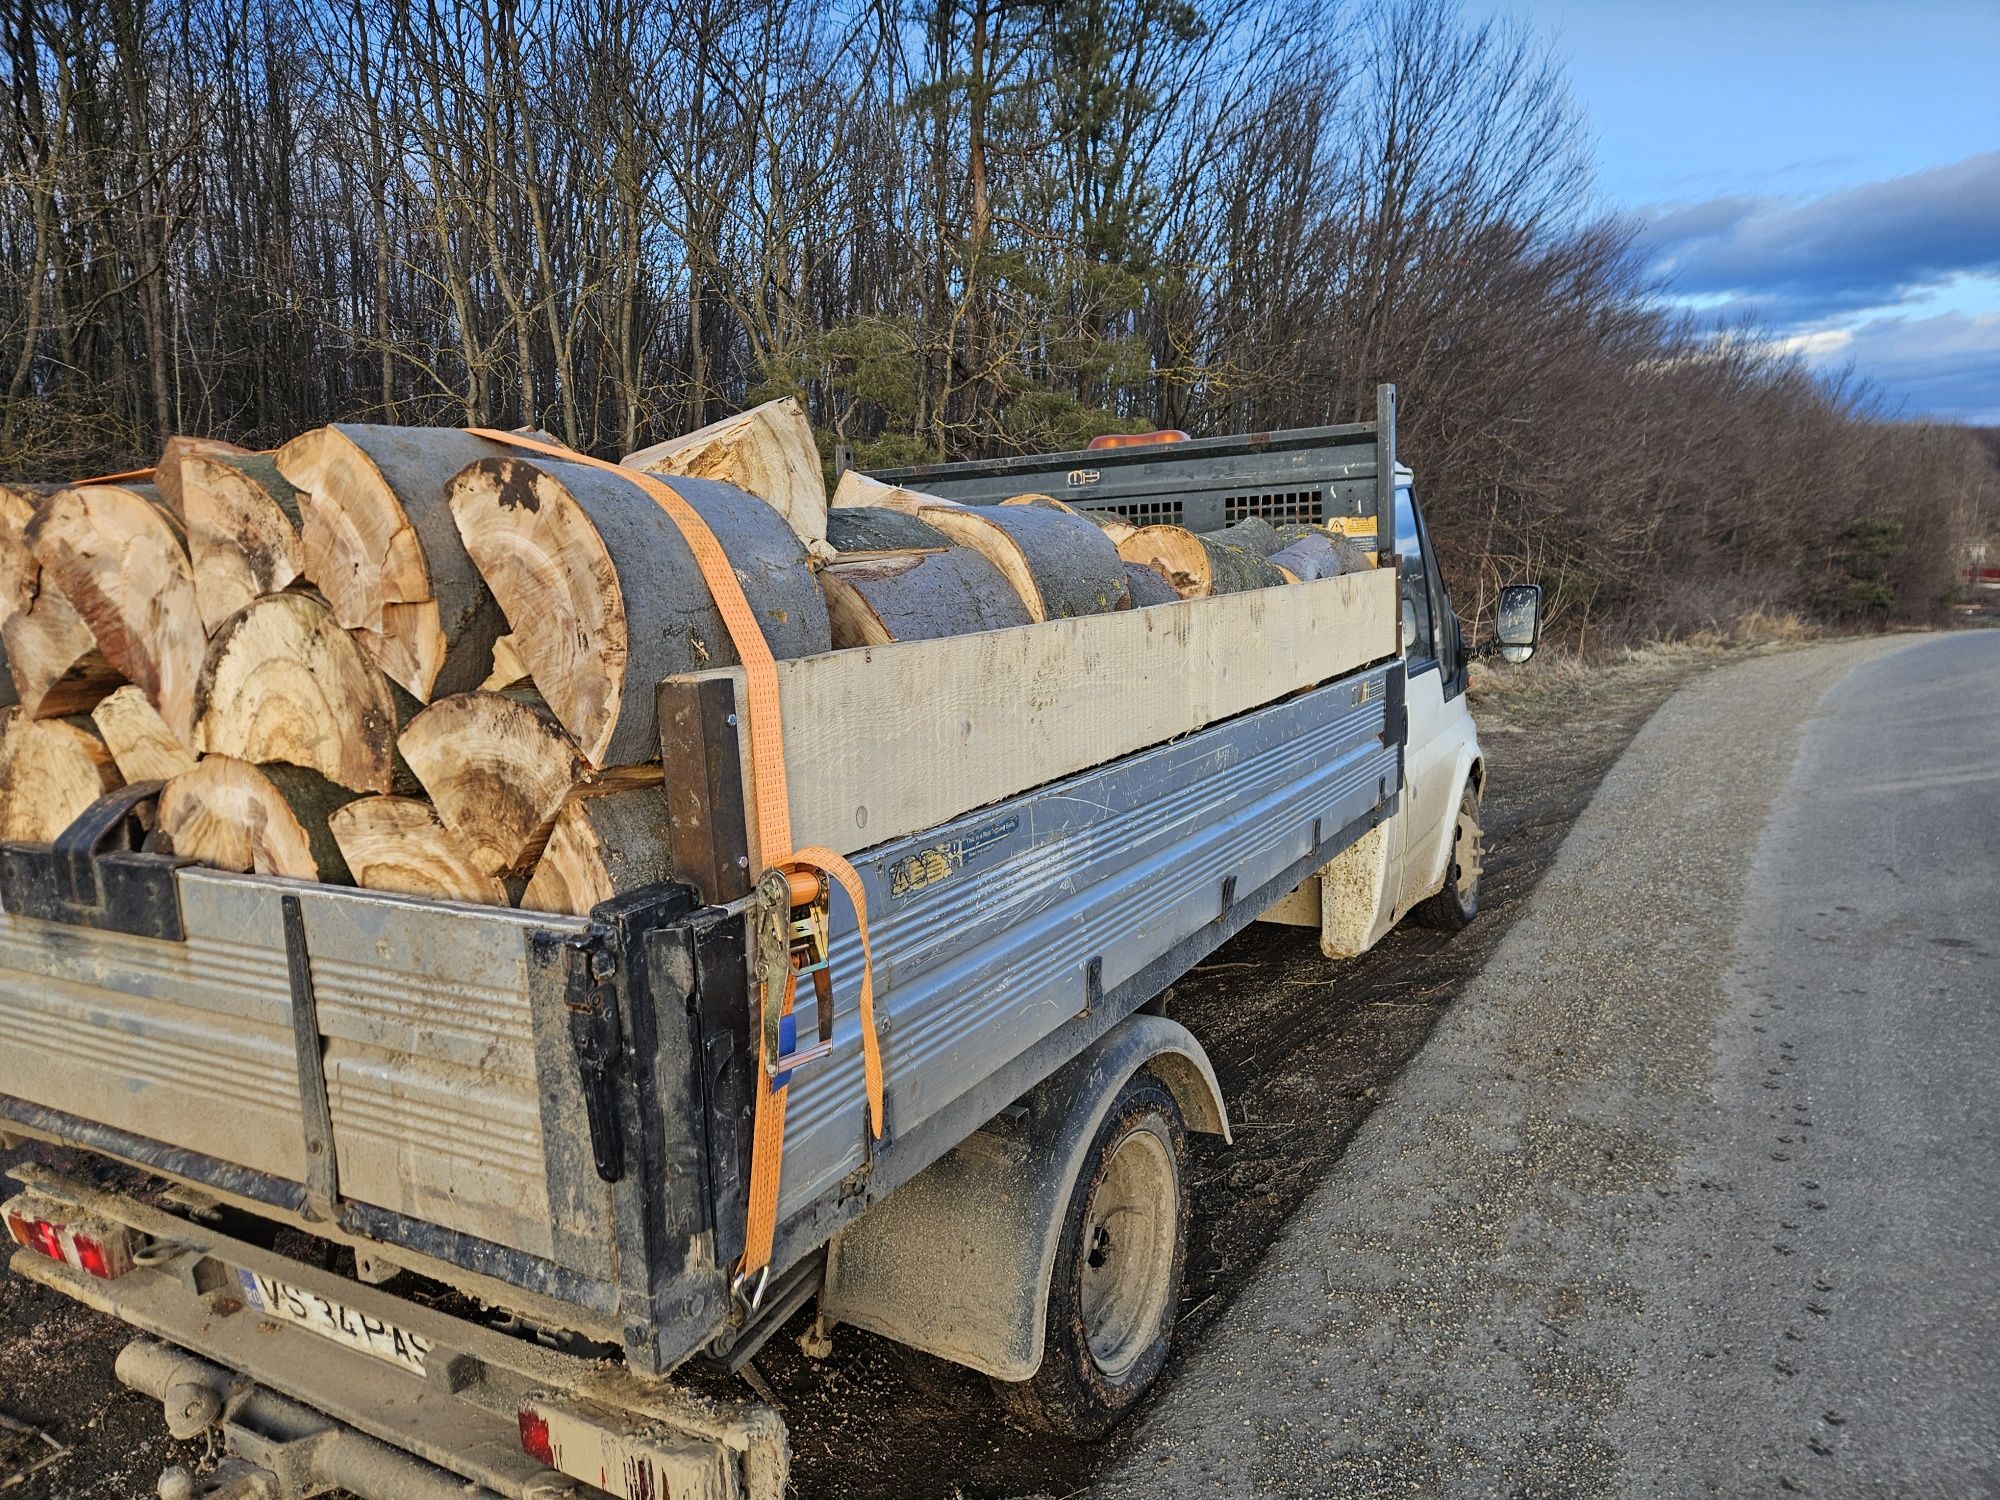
(767, 451)
(243, 531)
(1148, 587)
(53, 664)
(400, 844)
(50, 771)
(917, 597)
(379, 542)
(118, 556)
(1252, 533)
(170, 473)
(138, 738)
(605, 599)
(1318, 555)
(876, 528)
(271, 819)
(603, 845)
(1198, 566)
(498, 768)
(1061, 565)
(283, 682)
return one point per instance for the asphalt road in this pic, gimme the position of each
(1693, 1191)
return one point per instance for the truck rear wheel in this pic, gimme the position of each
(1454, 907)
(1115, 1287)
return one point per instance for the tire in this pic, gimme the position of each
(1115, 1288)
(1453, 908)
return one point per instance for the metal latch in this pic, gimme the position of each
(591, 998)
(791, 941)
(95, 873)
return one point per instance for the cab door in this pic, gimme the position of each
(1435, 694)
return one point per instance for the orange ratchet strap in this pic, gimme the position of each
(135, 476)
(774, 837)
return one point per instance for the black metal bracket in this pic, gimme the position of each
(590, 995)
(96, 874)
(316, 1110)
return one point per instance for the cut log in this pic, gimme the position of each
(767, 451)
(118, 557)
(603, 845)
(1147, 586)
(1197, 566)
(283, 682)
(917, 597)
(53, 665)
(138, 738)
(1043, 502)
(271, 819)
(1252, 533)
(498, 769)
(1060, 564)
(604, 597)
(874, 528)
(379, 543)
(50, 771)
(243, 531)
(857, 489)
(170, 473)
(400, 844)
(1318, 554)
(508, 668)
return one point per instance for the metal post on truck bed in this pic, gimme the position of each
(1385, 474)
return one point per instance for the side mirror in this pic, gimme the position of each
(1517, 628)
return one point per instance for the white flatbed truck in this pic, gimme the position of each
(418, 1199)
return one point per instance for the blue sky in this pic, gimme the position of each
(1831, 169)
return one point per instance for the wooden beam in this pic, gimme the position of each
(885, 741)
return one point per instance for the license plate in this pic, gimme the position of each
(334, 1320)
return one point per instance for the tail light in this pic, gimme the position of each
(535, 1437)
(91, 1246)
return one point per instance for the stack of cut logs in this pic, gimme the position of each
(423, 661)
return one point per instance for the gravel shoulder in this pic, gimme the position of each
(1569, 1254)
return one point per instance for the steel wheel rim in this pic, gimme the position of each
(1129, 1228)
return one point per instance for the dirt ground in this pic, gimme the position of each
(1300, 1045)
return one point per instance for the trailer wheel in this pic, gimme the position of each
(1454, 907)
(1115, 1287)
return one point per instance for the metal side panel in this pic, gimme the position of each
(994, 930)
(426, 1011)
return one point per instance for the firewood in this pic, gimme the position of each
(170, 473)
(1148, 587)
(138, 738)
(271, 819)
(50, 771)
(1316, 555)
(767, 451)
(243, 531)
(508, 668)
(872, 528)
(1113, 525)
(603, 845)
(604, 597)
(1059, 564)
(53, 664)
(117, 554)
(400, 844)
(379, 543)
(498, 768)
(917, 597)
(1197, 566)
(283, 682)
(1252, 533)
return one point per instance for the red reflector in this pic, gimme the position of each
(535, 1437)
(46, 1238)
(17, 1229)
(90, 1257)
(1136, 439)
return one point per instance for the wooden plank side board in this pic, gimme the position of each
(884, 741)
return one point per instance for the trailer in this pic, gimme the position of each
(415, 1198)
